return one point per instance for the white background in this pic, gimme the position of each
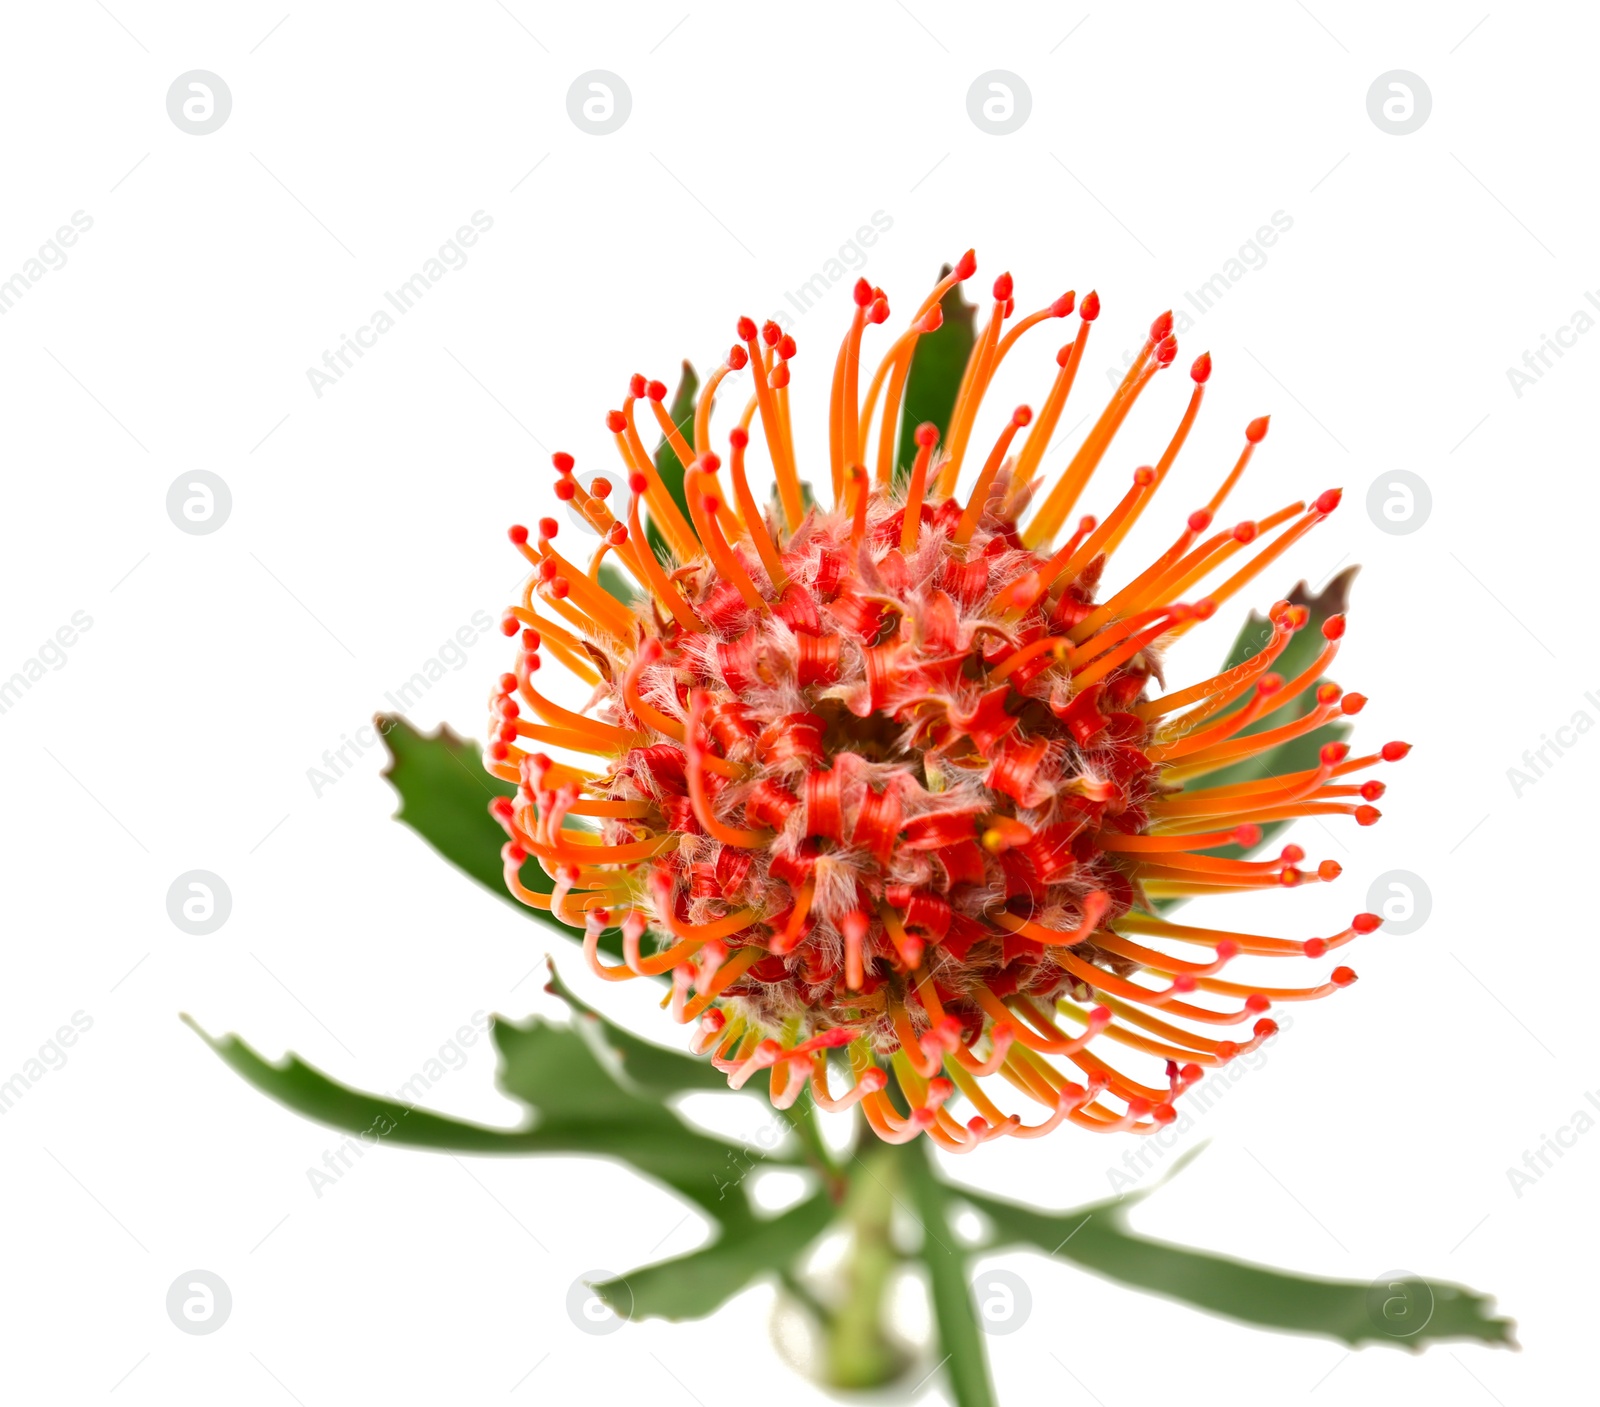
(368, 525)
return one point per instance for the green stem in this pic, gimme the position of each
(860, 1353)
(960, 1341)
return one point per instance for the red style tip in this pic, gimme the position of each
(771, 333)
(1342, 976)
(1144, 476)
(709, 463)
(1161, 328)
(600, 488)
(1064, 304)
(656, 390)
(563, 461)
(1393, 752)
(966, 266)
(559, 587)
(1328, 501)
(787, 347)
(1003, 288)
(616, 421)
(779, 377)
(933, 321)
(637, 483)
(548, 527)
(747, 329)
(636, 385)
(738, 437)
(1021, 416)
(1352, 703)
(927, 434)
(617, 536)
(1256, 430)
(1199, 521)
(1333, 754)
(1247, 835)
(1314, 947)
(1366, 923)
(1373, 791)
(1368, 815)
(863, 293)
(518, 534)
(508, 682)
(565, 489)
(1329, 870)
(1167, 352)
(879, 311)
(1333, 628)
(1200, 372)
(1089, 309)
(1246, 532)
(1256, 1003)
(738, 358)
(509, 624)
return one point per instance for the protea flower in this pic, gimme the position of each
(882, 786)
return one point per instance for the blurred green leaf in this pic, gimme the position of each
(690, 1286)
(666, 461)
(444, 797)
(1298, 655)
(618, 584)
(642, 1065)
(1097, 1238)
(960, 1340)
(575, 1106)
(935, 377)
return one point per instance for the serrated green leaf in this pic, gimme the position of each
(575, 1106)
(1098, 1238)
(935, 376)
(693, 1285)
(444, 797)
(666, 460)
(642, 1065)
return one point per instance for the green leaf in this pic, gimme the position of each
(617, 584)
(1298, 655)
(575, 1106)
(444, 797)
(935, 376)
(960, 1340)
(639, 1064)
(693, 1285)
(1097, 1238)
(666, 461)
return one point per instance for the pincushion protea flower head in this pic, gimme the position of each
(882, 786)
